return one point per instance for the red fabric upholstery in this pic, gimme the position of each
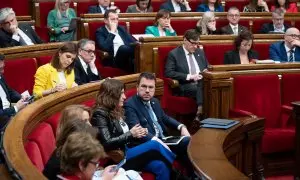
(175, 104)
(89, 103)
(180, 28)
(83, 6)
(19, 74)
(43, 33)
(216, 58)
(262, 49)
(21, 8)
(34, 154)
(130, 92)
(147, 176)
(43, 60)
(260, 95)
(43, 136)
(53, 120)
(106, 71)
(139, 27)
(280, 178)
(290, 85)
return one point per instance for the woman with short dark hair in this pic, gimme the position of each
(256, 6)
(57, 75)
(114, 134)
(141, 6)
(243, 53)
(162, 25)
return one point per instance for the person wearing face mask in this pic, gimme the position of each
(162, 25)
(176, 6)
(141, 6)
(233, 17)
(57, 75)
(58, 21)
(115, 40)
(207, 24)
(257, 6)
(287, 50)
(285, 5)
(277, 25)
(243, 53)
(14, 34)
(84, 67)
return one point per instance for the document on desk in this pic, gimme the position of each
(218, 123)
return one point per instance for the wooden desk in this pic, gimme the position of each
(228, 154)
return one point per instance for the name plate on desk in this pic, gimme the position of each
(218, 123)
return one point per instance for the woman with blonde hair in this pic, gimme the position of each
(59, 20)
(207, 24)
(57, 75)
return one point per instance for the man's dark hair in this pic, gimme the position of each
(192, 34)
(146, 75)
(2, 57)
(109, 11)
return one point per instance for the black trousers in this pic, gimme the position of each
(124, 58)
(193, 90)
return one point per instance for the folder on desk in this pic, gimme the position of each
(218, 123)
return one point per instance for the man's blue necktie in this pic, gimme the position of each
(291, 57)
(154, 119)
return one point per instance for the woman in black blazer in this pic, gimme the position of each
(243, 53)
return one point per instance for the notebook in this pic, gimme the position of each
(218, 123)
(172, 140)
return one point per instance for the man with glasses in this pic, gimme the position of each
(145, 110)
(287, 50)
(233, 16)
(14, 34)
(277, 25)
(101, 7)
(84, 67)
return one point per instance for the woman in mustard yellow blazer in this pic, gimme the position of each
(57, 75)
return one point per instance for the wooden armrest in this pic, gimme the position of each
(240, 113)
(116, 155)
(172, 82)
(102, 54)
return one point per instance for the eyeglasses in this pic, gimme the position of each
(145, 87)
(233, 15)
(90, 52)
(95, 163)
(195, 43)
(294, 36)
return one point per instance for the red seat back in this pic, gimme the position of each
(181, 25)
(290, 88)
(260, 95)
(43, 60)
(138, 27)
(34, 154)
(130, 92)
(262, 49)
(215, 52)
(83, 6)
(19, 74)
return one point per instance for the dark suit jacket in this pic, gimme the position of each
(12, 96)
(277, 52)
(94, 9)
(81, 77)
(136, 113)
(233, 57)
(6, 39)
(52, 167)
(267, 27)
(104, 39)
(169, 6)
(177, 67)
(227, 29)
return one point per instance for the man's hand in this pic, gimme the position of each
(108, 173)
(113, 26)
(196, 77)
(21, 104)
(14, 29)
(184, 132)
(295, 43)
(60, 87)
(169, 27)
(138, 131)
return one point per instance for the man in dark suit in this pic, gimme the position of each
(287, 50)
(185, 64)
(8, 96)
(115, 40)
(233, 16)
(84, 67)
(14, 34)
(176, 6)
(145, 110)
(277, 25)
(102, 6)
